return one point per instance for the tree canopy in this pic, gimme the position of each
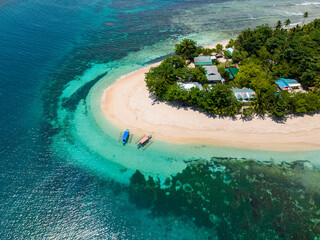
(270, 54)
(264, 55)
(187, 49)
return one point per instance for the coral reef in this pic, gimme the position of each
(238, 199)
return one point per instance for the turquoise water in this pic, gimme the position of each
(62, 165)
(94, 134)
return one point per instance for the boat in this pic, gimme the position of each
(144, 141)
(125, 136)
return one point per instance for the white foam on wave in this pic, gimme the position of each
(295, 24)
(293, 13)
(307, 3)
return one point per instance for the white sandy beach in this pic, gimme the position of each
(127, 104)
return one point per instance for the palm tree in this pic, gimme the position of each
(287, 22)
(219, 48)
(187, 49)
(278, 25)
(305, 15)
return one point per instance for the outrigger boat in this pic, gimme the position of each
(144, 141)
(126, 136)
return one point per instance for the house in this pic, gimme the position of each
(243, 94)
(232, 70)
(189, 85)
(283, 85)
(212, 74)
(292, 83)
(230, 51)
(203, 61)
(287, 84)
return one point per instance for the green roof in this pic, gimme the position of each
(202, 63)
(230, 51)
(203, 60)
(232, 71)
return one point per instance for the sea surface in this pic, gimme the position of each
(64, 174)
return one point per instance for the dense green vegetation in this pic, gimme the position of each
(187, 49)
(163, 81)
(264, 55)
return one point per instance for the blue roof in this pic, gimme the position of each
(287, 80)
(282, 84)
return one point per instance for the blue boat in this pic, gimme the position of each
(125, 136)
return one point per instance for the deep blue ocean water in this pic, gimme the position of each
(46, 44)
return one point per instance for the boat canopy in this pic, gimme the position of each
(144, 139)
(125, 135)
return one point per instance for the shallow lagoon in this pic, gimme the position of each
(59, 164)
(94, 133)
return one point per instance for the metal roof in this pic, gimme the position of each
(239, 90)
(189, 85)
(244, 94)
(287, 80)
(232, 71)
(212, 73)
(287, 84)
(230, 50)
(203, 59)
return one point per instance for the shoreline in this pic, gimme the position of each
(126, 104)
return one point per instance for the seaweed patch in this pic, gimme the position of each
(238, 199)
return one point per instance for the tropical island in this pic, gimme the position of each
(268, 71)
(259, 91)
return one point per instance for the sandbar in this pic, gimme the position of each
(127, 105)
